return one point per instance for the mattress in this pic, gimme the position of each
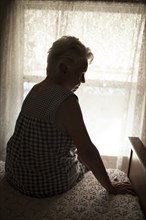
(88, 200)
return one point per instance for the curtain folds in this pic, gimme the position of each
(10, 72)
(113, 98)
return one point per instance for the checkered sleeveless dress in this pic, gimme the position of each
(41, 160)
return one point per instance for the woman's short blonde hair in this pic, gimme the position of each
(68, 50)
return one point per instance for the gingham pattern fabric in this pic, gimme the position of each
(41, 160)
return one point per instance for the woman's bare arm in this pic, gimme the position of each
(70, 118)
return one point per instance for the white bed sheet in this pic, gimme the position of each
(88, 200)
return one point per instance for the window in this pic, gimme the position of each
(114, 33)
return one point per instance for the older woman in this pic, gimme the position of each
(50, 144)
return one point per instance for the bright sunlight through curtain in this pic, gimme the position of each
(113, 97)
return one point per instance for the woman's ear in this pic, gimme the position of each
(63, 68)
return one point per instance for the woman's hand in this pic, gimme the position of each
(122, 188)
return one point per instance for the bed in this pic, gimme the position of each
(88, 200)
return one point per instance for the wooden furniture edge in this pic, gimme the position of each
(139, 148)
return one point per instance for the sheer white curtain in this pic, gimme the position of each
(113, 98)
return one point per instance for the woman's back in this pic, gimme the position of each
(41, 159)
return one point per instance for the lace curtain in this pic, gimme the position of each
(113, 97)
